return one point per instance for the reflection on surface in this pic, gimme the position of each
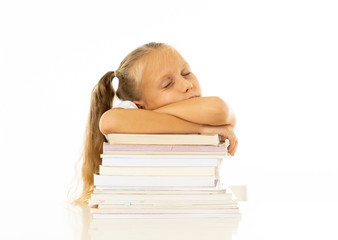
(85, 227)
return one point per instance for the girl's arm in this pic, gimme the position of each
(203, 110)
(119, 120)
(143, 121)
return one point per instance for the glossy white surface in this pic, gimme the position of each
(268, 220)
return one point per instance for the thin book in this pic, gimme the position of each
(154, 181)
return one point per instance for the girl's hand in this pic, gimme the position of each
(225, 132)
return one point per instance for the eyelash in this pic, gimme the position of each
(168, 85)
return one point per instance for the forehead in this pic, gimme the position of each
(160, 62)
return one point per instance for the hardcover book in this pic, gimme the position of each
(164, 139)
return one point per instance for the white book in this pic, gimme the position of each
(168, 215)
(224, 205)
(194, 225)
(157, 171)
(166, 197)
(160, 156)
(172, 203)
(165, 160)
(159, 210)
(155, 181)
(164, 192)
(160, 188)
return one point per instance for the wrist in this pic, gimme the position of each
(201, 129)
(206, 129)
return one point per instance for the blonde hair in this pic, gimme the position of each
(129, 74)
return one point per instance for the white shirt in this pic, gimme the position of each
(126, 104)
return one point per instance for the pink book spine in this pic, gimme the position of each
(163, 148)
(137, 213)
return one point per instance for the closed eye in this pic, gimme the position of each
(169, 84)
(186, 74)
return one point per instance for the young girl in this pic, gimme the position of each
(159, 94)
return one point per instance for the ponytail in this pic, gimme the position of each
(101, 101)
(130, 75)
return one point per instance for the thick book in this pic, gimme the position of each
(158, 171)
(163, 160)
(154, 181)
(164, 139)
(141, 149)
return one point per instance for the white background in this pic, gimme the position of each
(274, 62)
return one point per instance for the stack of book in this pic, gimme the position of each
(162, 176)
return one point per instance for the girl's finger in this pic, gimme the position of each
(234, 148)
(231, 144)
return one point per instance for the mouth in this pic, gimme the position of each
(194, 96)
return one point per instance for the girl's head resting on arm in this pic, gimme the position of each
(159, 76)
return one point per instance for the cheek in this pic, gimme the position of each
(163, 100)
(155, 101)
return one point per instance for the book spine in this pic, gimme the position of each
(168, 215)
(172, 203)
(161, 156)
(110, 161)
(165, 181)
(163, 139)
(161, 197)
(162, 148)
(158, 171)
(159, 192)
(225, 205)
(156, 188)
(172, 210)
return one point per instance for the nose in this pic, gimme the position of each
(185, 85)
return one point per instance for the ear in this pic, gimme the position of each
(140, 104)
